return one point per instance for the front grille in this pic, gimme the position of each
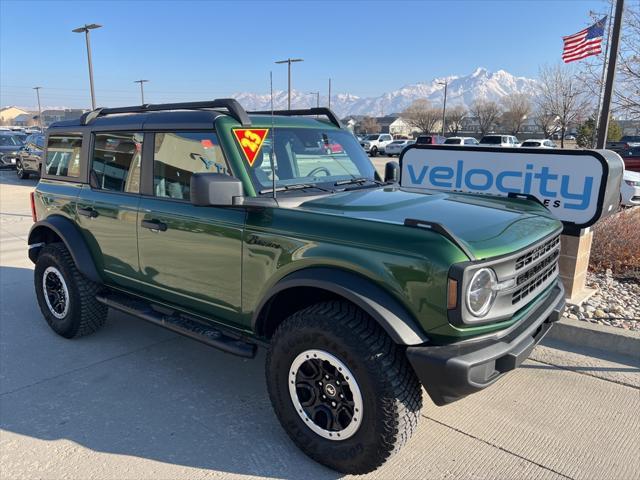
(537, 268)
(536, 253)
(536, 281)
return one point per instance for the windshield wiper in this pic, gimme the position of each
(298, 186)
(353, 181)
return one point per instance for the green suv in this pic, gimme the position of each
(273, 229)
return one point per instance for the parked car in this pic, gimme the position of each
(469, 141)
(396, 147)
(499, 141)
(631, 158)
(630, 189)
(624, 143)
(29, 159)
(360, 291)
(429, 140)
(570, 137)
(376, 143)
(538, 143)
(10, 145)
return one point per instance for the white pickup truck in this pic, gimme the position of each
(376, 143)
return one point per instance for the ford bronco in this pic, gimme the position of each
(243, 230)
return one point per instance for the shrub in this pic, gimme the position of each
(616, 244)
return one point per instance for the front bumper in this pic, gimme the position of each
(451, 372)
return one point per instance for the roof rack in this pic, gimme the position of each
(306, 111)
(232, 105)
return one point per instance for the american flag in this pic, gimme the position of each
(585, 43)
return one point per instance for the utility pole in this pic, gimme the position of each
(85, 30)
(317, 94)
(141, 82)
(444, 104)
(37, 89)
(329, 93)
(603, 124)
(289, 61)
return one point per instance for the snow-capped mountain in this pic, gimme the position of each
(461, 90)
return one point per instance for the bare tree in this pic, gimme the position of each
(421, 115)
(487, 114)
(547, 123)
(517, 107)
(562, 95)
(454, 117)
(369, 125)
(626, 92)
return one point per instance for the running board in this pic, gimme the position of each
(179, 323)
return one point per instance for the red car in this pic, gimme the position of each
(631, 157)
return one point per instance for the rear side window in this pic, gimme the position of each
(452, 141)
(178, 155)
(116, 162)
(63, 155)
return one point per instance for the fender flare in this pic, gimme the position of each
(387, 311)
(72, 239)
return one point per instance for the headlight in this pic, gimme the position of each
(632, 183)
(481, 292)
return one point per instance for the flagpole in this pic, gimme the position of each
(603, 124)
(604, 71)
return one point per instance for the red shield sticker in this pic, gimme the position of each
(250, 140)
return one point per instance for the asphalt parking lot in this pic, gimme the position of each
(134, 402)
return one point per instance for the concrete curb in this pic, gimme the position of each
(601, 337)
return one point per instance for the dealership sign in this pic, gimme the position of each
(577, 186)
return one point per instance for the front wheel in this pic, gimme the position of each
(341, 388)
(373, 152)
(22, 175)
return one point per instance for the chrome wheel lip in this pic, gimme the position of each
(356, 421)
(54, 271)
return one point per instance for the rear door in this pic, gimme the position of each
(189, 256)
(107, 208)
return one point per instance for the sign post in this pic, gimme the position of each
(577, 186)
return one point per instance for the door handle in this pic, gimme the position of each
(154, 225)
(88, 212)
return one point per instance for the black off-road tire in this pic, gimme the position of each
(391, 392)
(20, 173)
(374, 152)
(85, 314)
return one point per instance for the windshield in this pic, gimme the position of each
(492, 140)
(312, 156)
(453, 141)
(372, 137)
(10, 141)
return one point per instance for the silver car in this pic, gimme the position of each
(396, 147)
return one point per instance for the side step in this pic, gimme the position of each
(179, 323)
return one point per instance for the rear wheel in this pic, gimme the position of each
(22, 175)
(373, 152)
(341, 388)
(66, 298)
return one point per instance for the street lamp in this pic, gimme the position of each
(444, 105)
(317, 94)
(37, 89)
(85, 30)
(289, 61)
(141, 82)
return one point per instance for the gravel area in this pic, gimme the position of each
(617, 302)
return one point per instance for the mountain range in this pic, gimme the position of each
(461, 90)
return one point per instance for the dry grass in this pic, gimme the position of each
(616, 244)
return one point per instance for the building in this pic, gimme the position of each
(8, 114)
(401, 128)
(26, 120)
(50, 116)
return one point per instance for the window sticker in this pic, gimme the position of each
(250, 140)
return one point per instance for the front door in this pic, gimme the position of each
(107, 208)
(190, 256)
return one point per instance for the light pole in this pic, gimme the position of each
(141, 82)
(289, 61)
(37, 89)
(85, 30)
(317, 94)
(444, 105)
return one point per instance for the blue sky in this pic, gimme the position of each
(194, 50)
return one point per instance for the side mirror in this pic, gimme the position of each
(392, 172)
(215, 190)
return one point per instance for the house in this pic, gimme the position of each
(385, 122)
(25, 119)
(400, 127)
(8, 114)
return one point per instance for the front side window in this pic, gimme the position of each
(178, 155)
(313, 156)
(63, 155)
(116, 162)
(372, 137)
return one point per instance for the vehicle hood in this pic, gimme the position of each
(9, 148)
(488, 226)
